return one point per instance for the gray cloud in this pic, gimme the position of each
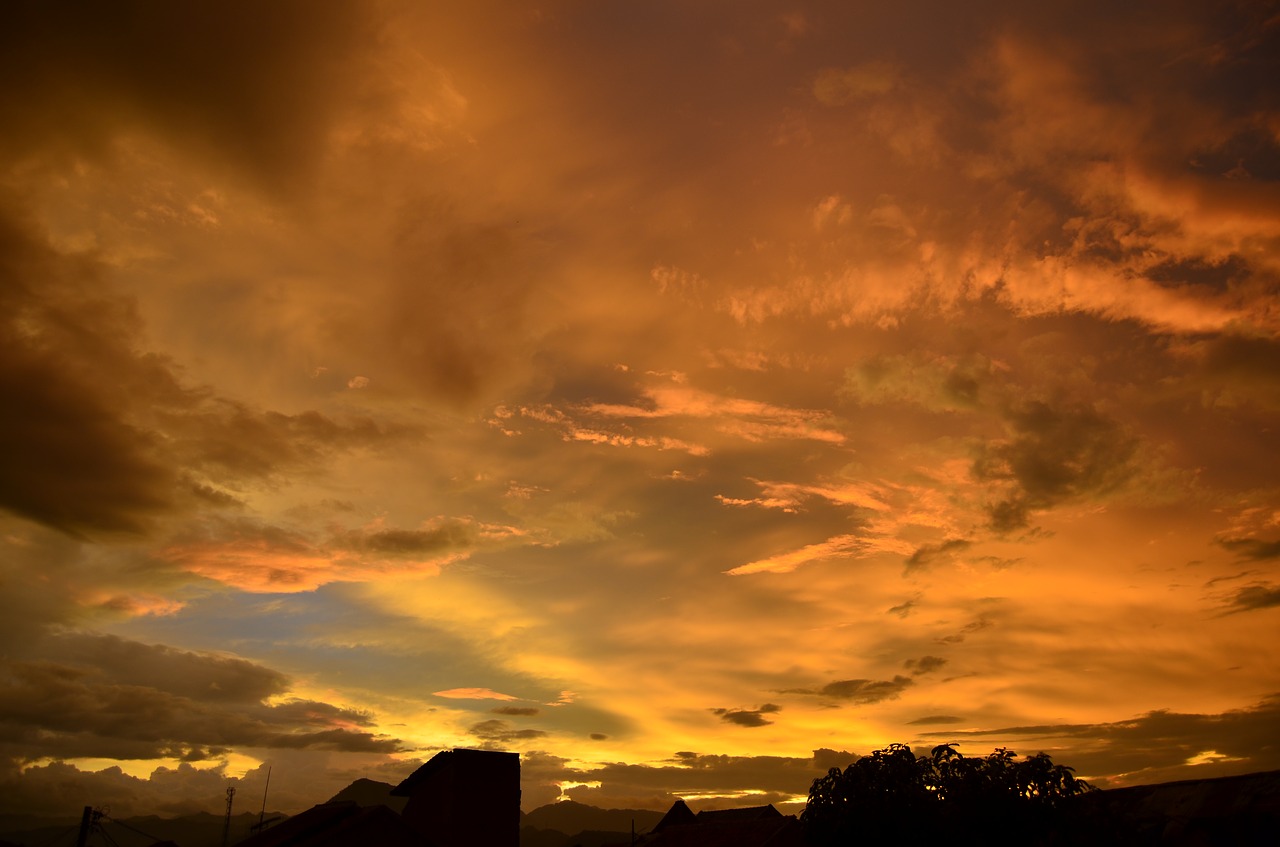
(1056, 454)
(496, 731)
(928, 554)
(924, 664)
(410, 542)
(111, 698)
(748, 717)
(862, 691)
(978, 625)
(1262, 595)
(1254, 549)
(199, 676)
(902, 609)
(866, 690)
(518, 711)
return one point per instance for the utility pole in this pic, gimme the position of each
(226, 823)
(88, 821)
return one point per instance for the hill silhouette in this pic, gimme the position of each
(572, 817)
(369, 792)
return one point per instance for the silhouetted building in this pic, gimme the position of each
(465, 797)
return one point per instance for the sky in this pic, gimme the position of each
(690, 396)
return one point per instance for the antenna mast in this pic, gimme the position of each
(226, 823)
(264, 797)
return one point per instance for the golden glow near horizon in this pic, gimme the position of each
(690, 397)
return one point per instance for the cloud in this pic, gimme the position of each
(748, 717)
(474, 694)
(297, 780)
(192, 74)
(255, 556)
(520, 711)
(112, 698)
(703, 780)
(1253, 549)
(1261, 595)
(983, 622)
(841, 86)
(924, 664)
(938, 383)
(496, 731)
(1055, 455)
(198, 676)
(76, 464)
(860, 691)
(903, 609)
(410, 543)
(930, 720)
(837, 547)
(111, 442)
(751, 420)
(927, 554)
(1157, 745)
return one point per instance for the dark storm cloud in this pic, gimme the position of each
(111, 698)
(1146, 745)
(251, 83)
(1056, 454)
(74, 463)
(748, 717)
(105, 439)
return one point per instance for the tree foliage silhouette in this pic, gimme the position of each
(894, 795)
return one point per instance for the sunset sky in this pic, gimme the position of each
(690, 395)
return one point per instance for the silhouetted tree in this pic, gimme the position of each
(893, 796)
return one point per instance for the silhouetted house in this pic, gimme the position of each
(756, 826)
(465, 797)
